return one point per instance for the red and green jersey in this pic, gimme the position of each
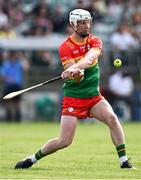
(73, 51)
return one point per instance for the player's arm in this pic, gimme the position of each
(75, 69)
(88, 60)
(68, 62)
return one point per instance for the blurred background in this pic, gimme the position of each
(30, 34)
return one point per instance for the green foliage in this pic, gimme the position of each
(91, 156)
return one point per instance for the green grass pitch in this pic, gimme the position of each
(91, 156)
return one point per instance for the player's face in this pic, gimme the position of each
(83, 27)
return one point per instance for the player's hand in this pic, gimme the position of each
(72, 73)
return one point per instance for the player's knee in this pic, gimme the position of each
(112, 116)
(65, 142)
(112, 119)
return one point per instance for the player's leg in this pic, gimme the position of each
(67, 131)
(68, 126)
(104, 112)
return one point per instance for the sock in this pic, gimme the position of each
(121, 153)
(123, 159)
(33, 158)
(39, 155)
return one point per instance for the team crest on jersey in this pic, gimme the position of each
(70, 109)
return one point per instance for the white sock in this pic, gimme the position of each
(33, 158)
(123, 159)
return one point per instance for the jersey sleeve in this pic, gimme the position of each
(65, 54)
(96, 43)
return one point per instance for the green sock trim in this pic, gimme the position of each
(121, 146)
(39, 155)
(121, 150)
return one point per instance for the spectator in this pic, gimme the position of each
(42, 20)
(81, 4)
(41, 25)
(3, 18)
(12, 76)
(116, 9)
(42, 4)
(41, 58)
(17, 16)
(1, 62)
(132, 7)
(121, 84)
(136, 25)
(60, 20)
(14, 11)
(7, 31)
(124, 35)
(101, 6)
(97, 9)
(121, 87)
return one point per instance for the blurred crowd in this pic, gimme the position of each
(117, 22)
(42, 17)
